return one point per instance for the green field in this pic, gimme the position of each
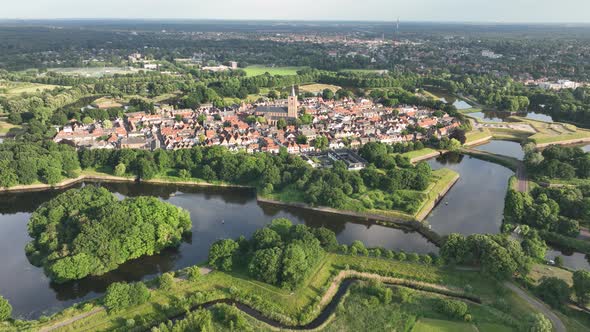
(5, 127)
(11, 89)
(419, 153)
(261, 70)
(436, 325)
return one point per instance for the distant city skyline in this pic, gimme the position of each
(500, 11)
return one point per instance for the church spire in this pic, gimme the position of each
(293, 91)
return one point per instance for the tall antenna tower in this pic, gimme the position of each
(396, 35)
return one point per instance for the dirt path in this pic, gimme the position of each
(523, 183)
(71, 320)
(557, 323)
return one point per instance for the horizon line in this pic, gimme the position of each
(292, 20)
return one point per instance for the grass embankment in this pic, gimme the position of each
(508, 162)
(477, 136)
(442, 180)
(419, 154)
(257, 70)
(539, 271)
(276, 302)
(548, 133)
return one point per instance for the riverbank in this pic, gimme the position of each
(96, 176)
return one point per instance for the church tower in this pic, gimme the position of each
(293, 105)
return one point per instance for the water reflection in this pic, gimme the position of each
(31, 293)
(499, 116)
(475, 204)
(506, 148)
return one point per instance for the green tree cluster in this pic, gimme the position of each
(89, 231)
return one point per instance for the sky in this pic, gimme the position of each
(502, 11)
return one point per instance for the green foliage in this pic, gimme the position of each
(194, 273)
(553, 291)
(5, 309)
(231, 318)
(221, 254)
(166, 281)
(122, 295)
(89, 231)
(452, 308)
(196, 321)
(266, 264)
(498, 255)
(582, 286)
(540, 323)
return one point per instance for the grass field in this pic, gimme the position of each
(436, 325)
(477, 134)
(318, 88)
(554, 132)
(261, 70)
(539, 271)
(419, 153)
(11, 89)
(5, 127)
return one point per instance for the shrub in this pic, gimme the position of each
(452, 308)
(540, 323)
(5, 309)
(121, 295)
(193, 273)
(166, 281)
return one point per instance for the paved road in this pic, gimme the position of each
(72, 320)
(557, 323)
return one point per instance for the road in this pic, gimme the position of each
(523, 183)
(540, 306)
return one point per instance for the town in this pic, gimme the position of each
(265, 126)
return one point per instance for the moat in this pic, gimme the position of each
(229, 213)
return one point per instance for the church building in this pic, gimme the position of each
(279, 111)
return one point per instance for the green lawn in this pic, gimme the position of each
(491, 327)
(477, 134)
(5, 127)
(363, 71)
(257, 70)
(418, 153)
(436, 325)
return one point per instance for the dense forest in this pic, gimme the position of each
(89, 231)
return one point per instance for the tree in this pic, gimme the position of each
(107, 124)
(540, 323)
(321, 143)
(221, 254)
(295, 266)
(265, 238)
(452, 308)
(581, 286)
(459, 135)
(534, 246)
(266, 265)
(553, 291)
(5, 309)
(327, 94)
(454, 145)
(281, 124)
